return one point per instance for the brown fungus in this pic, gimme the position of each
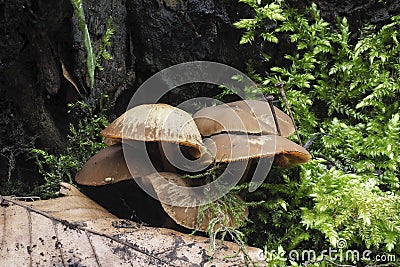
(247, 116)
(108, 166)
(290, 154)
(168, 126)
(164, 185)
(233, 147)
(154, 123)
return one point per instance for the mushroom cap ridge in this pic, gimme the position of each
(247, 116)
(154, 123)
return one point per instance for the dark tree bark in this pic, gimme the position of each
(41, 37)
(30, 80)
(119, 72)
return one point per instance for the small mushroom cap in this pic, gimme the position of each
(154, 123)
(233, 147)
(247, 116)
(184, 216)
(112, 141)
(290, 154)
(108, 166)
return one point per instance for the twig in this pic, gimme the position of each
(26, 199)
(279, 85)
(93, 248)
(312, 139)
(270, 100)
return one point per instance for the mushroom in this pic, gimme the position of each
(238, 150)
(112, 141)
(108, 166)
(154, 123)
(241, 150)
(289, 154)
(168, 126)
(186, 213)
(233, 147)
(249, 116)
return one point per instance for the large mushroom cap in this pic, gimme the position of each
(185, 216)
(108, 166)
(233, 147)
(154, 123)
(249, 116)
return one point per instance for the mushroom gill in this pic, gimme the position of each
(187, 214)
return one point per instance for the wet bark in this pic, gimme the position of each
(33, 105)
(41, 39)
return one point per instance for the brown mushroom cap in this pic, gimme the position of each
(233, 147)
(289, 154)
(112, 141)
(108, 166)
(154, 123)
(248, 116)
(184, 216)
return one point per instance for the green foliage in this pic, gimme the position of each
(83, 141)
(351, 207)
(90, 59)
(225, 211)
(105, 43)
(14, 187)
(93, 59)
(346, 87)
(275, 207)
(227, 214)
(271, 12)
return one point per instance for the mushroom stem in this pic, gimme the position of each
(246, 171)
(270, 100)
(166, 163)
(279, 85)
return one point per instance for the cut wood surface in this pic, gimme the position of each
(75, 231)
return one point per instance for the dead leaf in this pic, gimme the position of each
(68, 77)
(75, 231)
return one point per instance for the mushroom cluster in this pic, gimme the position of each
(239, 131)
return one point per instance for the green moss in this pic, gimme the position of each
(83, 141)
(344, 86)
